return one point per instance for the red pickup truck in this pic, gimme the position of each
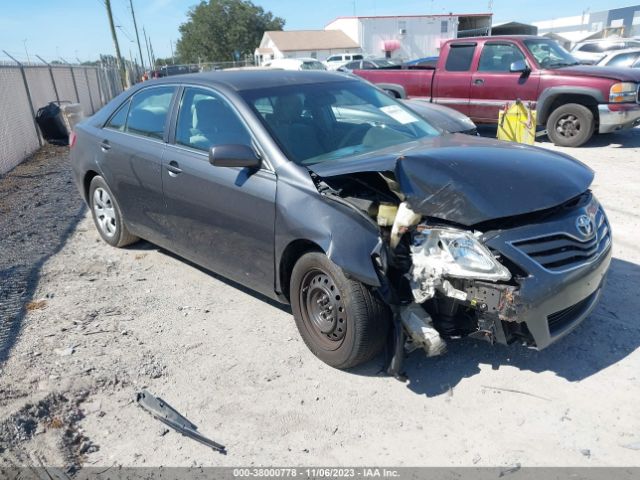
(478, 76)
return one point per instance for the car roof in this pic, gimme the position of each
(615, 53)
(609, 40)
(498, 38)
(255, 79)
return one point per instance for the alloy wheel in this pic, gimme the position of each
(568, 125)
(105, 212)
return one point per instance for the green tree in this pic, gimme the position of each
(217, 29)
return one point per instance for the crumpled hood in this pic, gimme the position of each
(470, 180)
(620, 74)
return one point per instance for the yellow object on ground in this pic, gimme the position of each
(517, 123)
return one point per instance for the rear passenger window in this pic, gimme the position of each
(119, 119)
(149, 111)
(460, 57)
(206, 120)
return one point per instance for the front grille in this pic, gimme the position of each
(558, 252)
(562, 318)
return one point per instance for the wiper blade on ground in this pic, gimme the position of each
(170, 417)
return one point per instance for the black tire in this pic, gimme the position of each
(570, 125)
(107, 215)
(355, 329)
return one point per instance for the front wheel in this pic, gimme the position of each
(570, 125)
(340, 320)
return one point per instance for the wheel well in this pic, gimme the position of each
(290, 256)
(87, 183)
(392, 92)
(586, 100)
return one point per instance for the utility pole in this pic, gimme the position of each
(135, 26)
(123, 74)
(173, 59)
(146, 41)
(153, 55)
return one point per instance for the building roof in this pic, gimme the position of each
(415, 16)
(264, 50)
(295, 40)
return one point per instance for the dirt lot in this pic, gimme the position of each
(84, 326)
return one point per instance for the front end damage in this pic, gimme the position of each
(528, 278)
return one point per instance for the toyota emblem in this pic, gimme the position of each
(584, 225)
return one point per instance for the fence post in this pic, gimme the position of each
(53, 80)
(97, 72)
(86, 77)
(75, 87)
(26, 88)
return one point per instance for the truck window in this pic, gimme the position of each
(460, 56)
(498, 57)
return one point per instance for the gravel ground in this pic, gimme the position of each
(84, 326)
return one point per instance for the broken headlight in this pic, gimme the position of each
(456, 253)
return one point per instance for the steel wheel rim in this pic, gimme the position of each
(323, 309)
(105, 212)
(568, 125)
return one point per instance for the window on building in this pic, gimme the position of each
(444, 26)
(460, 57)
(148, 112)
(498, 57)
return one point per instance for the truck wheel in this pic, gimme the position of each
(107, 214)
(340, 320)
(570, 125)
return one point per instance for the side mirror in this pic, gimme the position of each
(519, 66)
(234, 156)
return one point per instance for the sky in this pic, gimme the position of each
(79, 29)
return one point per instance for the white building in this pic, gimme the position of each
(409, 36)
(623, 22)
(318, 44)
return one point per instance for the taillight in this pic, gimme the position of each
(72, 139)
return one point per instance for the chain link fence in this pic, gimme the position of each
(25, 88)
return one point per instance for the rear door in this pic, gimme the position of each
(220, 217)
(452, 82)
(493, 84)
(131, 146)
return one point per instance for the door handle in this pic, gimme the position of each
(104, 145)
(173, 168)
(478, 81)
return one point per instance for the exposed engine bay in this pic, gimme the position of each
(440, 277)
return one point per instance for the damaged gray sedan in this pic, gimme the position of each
(325, 193)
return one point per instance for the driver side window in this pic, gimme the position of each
(206, 120)
(498, 57)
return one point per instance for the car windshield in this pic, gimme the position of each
(549, 54)
(312, 65)
(332, 121)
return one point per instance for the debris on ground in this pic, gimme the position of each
(168, 415)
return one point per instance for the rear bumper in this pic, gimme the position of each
(618, 116)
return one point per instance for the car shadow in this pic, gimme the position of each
(620, 139)
(38, 213)
(610, 334)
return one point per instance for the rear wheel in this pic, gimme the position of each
(340, 320)
(107, 215)
(570, 125)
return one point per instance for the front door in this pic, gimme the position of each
(493, 84)
(219, 217)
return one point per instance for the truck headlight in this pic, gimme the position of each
(623, 92)
(459, 254)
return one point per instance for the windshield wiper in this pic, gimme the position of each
(563, 64)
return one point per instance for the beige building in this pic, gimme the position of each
(318, 44)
